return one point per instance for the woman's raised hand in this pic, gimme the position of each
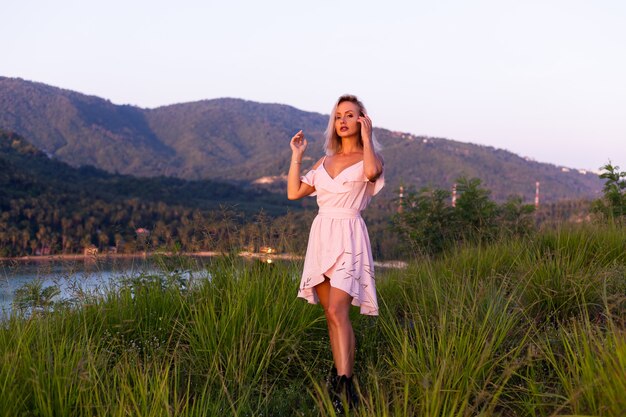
(366, 127)
(298, 143)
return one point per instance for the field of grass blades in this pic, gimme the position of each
(523, 327)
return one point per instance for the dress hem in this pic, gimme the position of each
(310, 295)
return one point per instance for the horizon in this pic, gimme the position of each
(542, 80)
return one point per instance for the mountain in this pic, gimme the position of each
(238, 140)
(438, 162)
(27, 172)
(226, 138)
(229, 138)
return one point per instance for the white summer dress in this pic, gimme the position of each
(339, 246)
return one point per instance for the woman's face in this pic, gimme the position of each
(346, 119)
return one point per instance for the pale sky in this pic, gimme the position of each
(542, 78)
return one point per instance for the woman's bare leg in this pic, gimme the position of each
(338, 319)
(336, 305)
(323, 293)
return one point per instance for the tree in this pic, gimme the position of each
(430, 224)
(476, 214)
(613, 204)
(426, 220)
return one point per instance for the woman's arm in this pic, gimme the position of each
(295, 187)
(372, 164)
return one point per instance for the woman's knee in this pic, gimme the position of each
(336, 315)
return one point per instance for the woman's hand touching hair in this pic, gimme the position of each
(366, 128)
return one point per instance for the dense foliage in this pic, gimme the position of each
(48, 207)
(431, 224)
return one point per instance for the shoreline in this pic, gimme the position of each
(202, 254)
(90, 257)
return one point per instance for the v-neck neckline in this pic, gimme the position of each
(340, 172)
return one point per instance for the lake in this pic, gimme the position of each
(71, 276)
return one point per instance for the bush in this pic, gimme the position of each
(431, 225)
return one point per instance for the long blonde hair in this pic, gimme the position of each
(332, 144)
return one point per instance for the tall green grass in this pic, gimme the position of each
(527, 327)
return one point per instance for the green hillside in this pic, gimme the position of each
(26, 171)
(46, 204)
(232, 139)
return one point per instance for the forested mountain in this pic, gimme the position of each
(49, 207)
(231, 139)
(225, 138)
(26, 171)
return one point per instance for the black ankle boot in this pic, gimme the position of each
(350, 392)
(333, 387)
(345, 392)
(339, 394)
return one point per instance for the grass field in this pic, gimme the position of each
(533, 327)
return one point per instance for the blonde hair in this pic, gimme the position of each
(332, 144)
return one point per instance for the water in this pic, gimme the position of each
(72, 277)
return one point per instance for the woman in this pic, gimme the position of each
(338, 268)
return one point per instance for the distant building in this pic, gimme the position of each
(90, 251)
(142, 232)
(43, 251)
(267, 249)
